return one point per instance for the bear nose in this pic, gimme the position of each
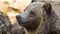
(18, 17)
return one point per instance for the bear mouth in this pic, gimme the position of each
(27, 23)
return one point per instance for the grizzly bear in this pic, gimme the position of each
(39, 18)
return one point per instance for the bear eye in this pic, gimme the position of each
(32, 13)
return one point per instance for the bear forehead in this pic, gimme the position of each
(35, 5)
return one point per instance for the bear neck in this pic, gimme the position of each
(30, 32)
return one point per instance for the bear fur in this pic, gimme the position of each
(5, 25)
(39, 18)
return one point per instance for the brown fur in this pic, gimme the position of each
(5, 24)
(43, 19)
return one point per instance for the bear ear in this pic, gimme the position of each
(47, 7)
